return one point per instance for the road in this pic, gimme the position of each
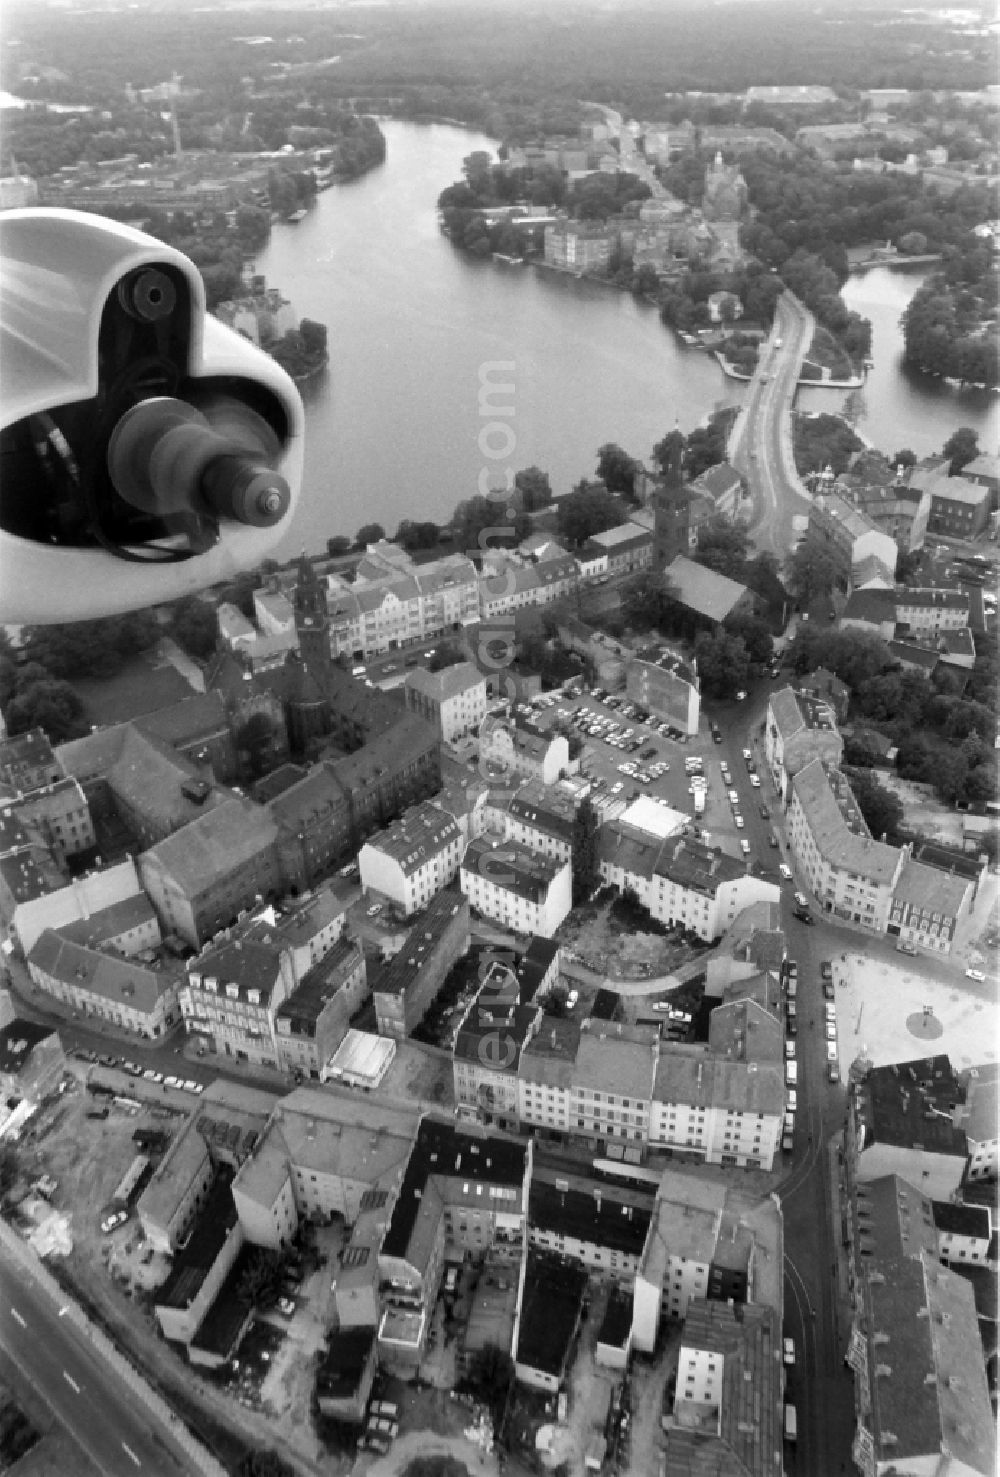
(86, 1394)
(761, 445)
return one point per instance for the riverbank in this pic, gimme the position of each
(731, 372)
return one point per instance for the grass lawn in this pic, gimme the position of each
(146, 684)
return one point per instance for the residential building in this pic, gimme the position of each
(579, 246)
(984, 470)
(722, 484)
(612, 1082)
(920, 1382)
(981, 1120)
(345, 1374)
(899, 509)
(593, 1221)
(40, 897)
(517, 888)
(677, 1258)
(797, 730)
(58, 814)
(667, 684)
(747, 1026)
(903, 1119)
(32, 1061)
(28, 877)
(728, 1367)
(413, 858)
(199, 729)
(488, 1045)
(959, 508)
(852, 875)
(199, 878)
(234, 987)
(312, 1021)
(710, 595)
(404, 988)
(545, 1076)
(130, 927)
(200, 1267)
(717, 1108)
(137, 997)
(930, 612)
(314, 830)
(628, 548)
(703, 888)
(541, 817)
(825, 686)
(454, 699)
(847, 536)
(464, 1190)
(506, 749)
(928, 903)
(553, 1292)
(27, 762)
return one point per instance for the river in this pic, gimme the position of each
(395, 427)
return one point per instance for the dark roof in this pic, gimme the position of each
(447, 910)
(341, 1369)
(319, 985)
(962, 1220)
(441, 1148)
(554, 1290)
(193, 1262)
(597, 1215)
(533, 966)
(605, 1005)
(222, 1327)
(616, 1325)
(494, 1030)
(898, 1105)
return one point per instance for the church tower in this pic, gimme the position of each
(671, 513)
(312, 622)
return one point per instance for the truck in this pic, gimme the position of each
(699, 802)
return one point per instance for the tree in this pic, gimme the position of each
(951, 770)
(51, 705)
(809, 573)
(368, 533)
(905, 458)
(338, 545)
(261, 1277)
(587, 510)
(616, 469)
(97, 648)
(194, 626)
(586, 852)
(534, 489)
(667, 453)
(963, 447)
(755, 635)
(265, 1464)
(722, 546)
(882, 810)
(723, 662)
(413, 535)
(446, 654)
(483, 523)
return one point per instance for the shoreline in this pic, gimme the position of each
(856, 382)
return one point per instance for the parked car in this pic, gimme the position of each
(113, 1221)
(975, 974)
(828, 989)
(788, 1351)
(904, 948)
(832, 1071)
(374, 910)
(801, 901)
(803, 915)
(286, 1307)
(745, 846)
(765, 814)
(826, 970)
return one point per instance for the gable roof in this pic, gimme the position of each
(702, 590)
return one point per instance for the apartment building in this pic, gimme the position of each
(494, 1030)
(677, 1257)
(414, 858)
(312, 1021)
(517, 888)
(507, 750)
(404, 987)
(454, 699)
(593, 1221)
(847, 537)
(929, 902)
(612, 1082)
(905, 1119)
(797, 730)
(628, 547)
(717, 1108)
(139, 997)
(538, 816)
(704, 888)
(28, 763)
(852, 875)
(667, 684)
(545, 1076)
(981, 1119)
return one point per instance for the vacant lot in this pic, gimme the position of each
(924, 812)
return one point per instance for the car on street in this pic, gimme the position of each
(801, 901)
(789, 1050)
(661, 1005)
(286, 1307)
(826, 970)
(738, 821)
(765, 814)
(374, 910)
(747, 755)
(828, 989)
(784, 872)
(788, 1351)
(831, 1030)
(755, 781)
(173, 1082)
(803, 915)
(741, 696)
(791, 1099)
(733, 796)
(113, 1221)
(832, 1072)
(745, 846)
(904, 948)
(975, 974)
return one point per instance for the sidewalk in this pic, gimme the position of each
(843, 1309)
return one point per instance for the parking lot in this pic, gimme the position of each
(629, 752)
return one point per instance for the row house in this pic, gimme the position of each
(905, 1119)
(716, 1108)
(454, 699)
(724, 485)
(928, 903)
(465, 1191)
(580, 246)
(797, 730)
(600, 1224)
(142, 998)
(59, 814)
(703, 888)
(414, 858)
(538, 816)
(517, 888)
(34, 895)
(491, 1036)
(677, 1259)
(311, 1022)
(981, 1120)
(612, 1082)
(628, 547)
(28, 763)
(900, 510)
(405, 987)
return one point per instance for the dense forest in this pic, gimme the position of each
(950, 326)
